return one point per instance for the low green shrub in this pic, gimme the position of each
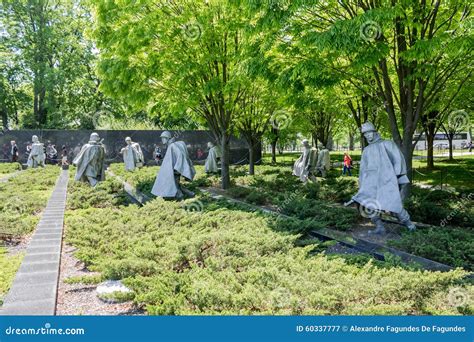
(7, 168)
(23, 197)
(448, 245)
(321, 214)
(338, 189)
(239, 192)
(436, 206)
(106, 194)
(224, 260)
(9, 266)
(88, 280)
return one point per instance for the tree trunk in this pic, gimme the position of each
(428, 122)
(225, 161)
(274, 143)
(251, 159)
(363, 143)
(429, 152)
(450, 141)
(351, 141)
(407, 152)
(274, 159)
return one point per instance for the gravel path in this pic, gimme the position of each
(338, 248)
(81, 299)
(16, 246)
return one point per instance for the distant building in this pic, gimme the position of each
(440, 142)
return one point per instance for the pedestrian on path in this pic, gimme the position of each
(347, 165)
(14, 152)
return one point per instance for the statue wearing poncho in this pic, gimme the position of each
(301, 167)
(382, 173)
(324, 160)
(132, 155)
(90, 161)
(36, 157)
(211, 161)
(176, 163)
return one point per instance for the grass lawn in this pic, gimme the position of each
(458, 173)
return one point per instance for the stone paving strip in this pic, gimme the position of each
(34, 289)
(135, 194)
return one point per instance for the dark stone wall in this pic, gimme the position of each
(114, 140)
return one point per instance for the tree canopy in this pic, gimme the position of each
(261, 70)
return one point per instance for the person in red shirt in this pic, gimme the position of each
(347, 164)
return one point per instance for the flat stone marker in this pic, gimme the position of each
(34, 289)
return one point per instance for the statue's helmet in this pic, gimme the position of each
(94, 137)
(128, 139)
(166, 134)
(34, 138)
(304, 142)
(367, 127)
(210, 144)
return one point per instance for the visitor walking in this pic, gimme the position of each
(347, 164)
(51, 154)
(64, 158)
(157, 154)
(14, 152)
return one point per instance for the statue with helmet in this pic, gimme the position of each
(324, 160)
(212, 161)
(305, 164)
(37, 156)
(90, 161)
(132, 155)
(176, 164)
(382, 174)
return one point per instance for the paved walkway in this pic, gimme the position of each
(35, 286)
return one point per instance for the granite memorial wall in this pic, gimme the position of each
(114, 140)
